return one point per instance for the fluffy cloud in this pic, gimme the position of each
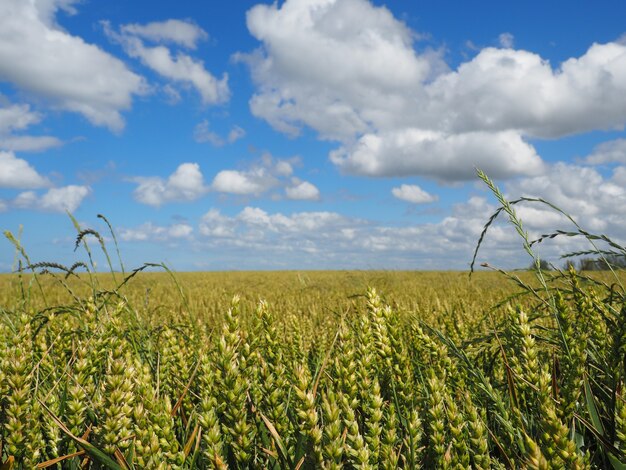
(326, 64)
(443, 156)
(183, 33)
(65, 198)
(185, 184)
(256, 238)
(512, 89)
(18, 174)
(41, 58)
(619, 175)
(256, 226)
(18, 117)
(598, 203)
(180, 68)
(152, 232)
(263, 176)
(202, 133)
(413, 194)
(339, 241)
(254, 181)
(303, 190)
(608, 152)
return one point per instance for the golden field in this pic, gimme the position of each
(312, 370)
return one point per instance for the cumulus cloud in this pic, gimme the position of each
(442, 156)
(598, 203)
(185, 184)
(303, 190)
(619, 175)
(325, 64)
(202, 133)
(336, 240)
(183, 33)
(613, 151)
(151, 232)
(257, 227)
(513, 89)
(254, 181)
(413, 194)
(18, 117)
(328, 239)
(256, 238)
(19, 174)
(39, 57)
(180, 68)
(263, 176)
(65, 198)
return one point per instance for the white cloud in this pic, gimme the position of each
(255, 238)
(29, 143)
(262, 176)
(65, 198)
(185, 184)
(303, 190)
(284, 168)
(172, 95)
(326, 64)
(446, 157)
(151, 232)
(18, 174)
(235, 134)
(254, 181)
(277, 239)
(608, 152)
(413, 194)
(518, 90)
(598, 203)
(202, 133)
(619, 175)
(184, 33)
(3, 206)
(14, 117)
(214, 224)
(39, 57)
(180, 68)
(255, 227)
(506, 40)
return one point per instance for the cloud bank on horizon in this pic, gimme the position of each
(303, 134)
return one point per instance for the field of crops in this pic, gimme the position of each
(311, 370)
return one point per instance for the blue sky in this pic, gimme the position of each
(308, 134)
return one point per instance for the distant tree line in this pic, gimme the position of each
(588, 264)
(599, 264)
